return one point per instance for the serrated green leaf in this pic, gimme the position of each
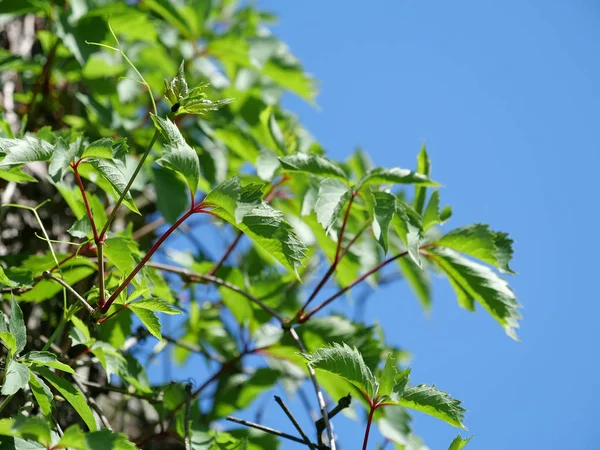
(458, 443)
(16, 326)
(197, 102)
(112, 173)
(149, 319)
(16, 377)
(387, 379)
(478, 241)
(5, 281)
(394, 176)
(177, 89)
(71, 394)
(431, 216)
(107, 148)
(243, 208)
(312, 164)
(16, 175)
(74, 438)
(408, 226)
(21, 151)
(475, 281)
(331, 199)
(45, 359)
(157, 305)
(27, 428)
(383, 213)
(347, 363)
(177, 154)
(42, 394)
(172, 193)
(436, 403)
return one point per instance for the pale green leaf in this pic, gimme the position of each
(312, 164)
(16, 326)
(46, 359)
(458, 443)
(177, 154)
(16, 377)
(478, 241)
(424, 168)
(42, 394)
(346, 363)
(72, 395)
(331, 199)
(436, 403)
(16, 175)
(107, 148)
(177, 89)
(408, 226)
(476, 282)
(267, 164)
(394, 176)
(62, 156)
(9, 341)
(157, 305)
(27, 149)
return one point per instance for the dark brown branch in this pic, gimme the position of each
(265, 429)
(294, 422)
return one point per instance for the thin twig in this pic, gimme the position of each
(265, 429)
(187, 438)
(119, 390)
(193, 276)
(50, 276)
(294, 422)
(343, 403)
(228, 251)
(318, 392)
(364, 276)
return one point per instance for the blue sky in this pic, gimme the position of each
(506, 95)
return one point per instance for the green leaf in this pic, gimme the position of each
(408, 226)
(149, 319)
(383, 213)
(177, 89)
(239, 143)
(42, 394)
(166, 10)
(394, 176)
(107, 148)
(74, 438)
(122, 252)
(34, 428)
(5, 281)
(347, 363)
(478, 241)
(473, 281)
(387, 380)
(16, 377)
(177, 154)
(64, 154)
(313, 165)
(432, 214)
(21, 151)
(458, 443)
(424, 168)
(436, 403)
(267, 164)
(72, 395)
(10, 342)
(16, 325)
(243, 208)
(3, 327)
(198, 103)
(172, 194)
(331, 199)
(16, 175)
(156, 304)
(46, 359)
(112, 173)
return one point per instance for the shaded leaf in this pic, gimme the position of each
(72, 395)
(383, 213)
(149, 319)
(42, 394)
(46, 359)
(114, 175)
(408, 226)
(16, 377)
(172, 193)
(16, 326)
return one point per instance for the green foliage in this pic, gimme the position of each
(260, 223)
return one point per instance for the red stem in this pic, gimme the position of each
(85, 200)
(145, 259)
(336, 260)
(378, 267)
(368, 429)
